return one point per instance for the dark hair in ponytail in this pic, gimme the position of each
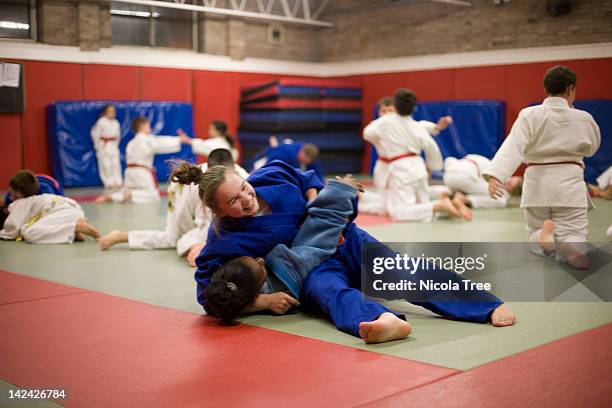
(233, 286)
(221, 127)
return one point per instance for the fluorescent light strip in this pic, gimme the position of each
(131, 13)
(12, 25)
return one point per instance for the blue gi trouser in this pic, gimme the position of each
(334, 288)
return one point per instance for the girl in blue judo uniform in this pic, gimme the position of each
(256, 215)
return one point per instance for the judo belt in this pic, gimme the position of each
(475, 163)
(561, 162)
(106, 139)
(152, 170)
(392, 159)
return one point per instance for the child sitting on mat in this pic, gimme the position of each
(140, 181)
(43, 218)
(237, 284)
(552, 138)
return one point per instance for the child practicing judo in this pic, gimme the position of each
(302, 156)
(401, 175)
(105, 135)
(140, 186)
(235, 286)
(187, 220)
(218, 138)
(552, 139)
(464, 177)
(371, 201)
(43, 218)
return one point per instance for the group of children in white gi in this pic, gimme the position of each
(552, 138)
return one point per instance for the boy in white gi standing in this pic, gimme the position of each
(552, 139)
(140, 185)
(105, 135)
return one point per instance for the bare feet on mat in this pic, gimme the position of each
(573, 255)
(460, 201)
(547, 237)
(104, 198)
(445, 206)
(78, 237)
(112, 238)
(387, 327)
(503, 316)
(85, 228)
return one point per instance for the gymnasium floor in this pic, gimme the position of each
(109, 351)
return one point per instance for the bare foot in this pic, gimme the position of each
(460, 201)
(387, 327)
(503, 316)
(573, 255)
(112, 238)
(547, 237)
(85, 228)
(79, 237)
(104, 198)
(445, 206)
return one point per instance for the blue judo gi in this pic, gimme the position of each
(46, 185)
(332, 287)
(315, 242)
(288, 152)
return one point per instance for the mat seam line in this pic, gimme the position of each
(43, 298)
(410, 389)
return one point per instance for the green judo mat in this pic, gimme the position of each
(160, 277)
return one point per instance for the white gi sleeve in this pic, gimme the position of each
(18, 216)
(166, 144)
(512, 152)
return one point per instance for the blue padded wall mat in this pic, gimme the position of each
(72, 154)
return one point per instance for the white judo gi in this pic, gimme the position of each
(42, 219)
(140, 174)
(105, 135)
(552, 138)
(203, 147)
(400, 174)
(465, 175)
(187, 220)
(605, 179)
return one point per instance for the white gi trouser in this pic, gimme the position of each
(105, 136)
(571, 226)
(186, 223)
(141, 183)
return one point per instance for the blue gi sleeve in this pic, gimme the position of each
(317, 238)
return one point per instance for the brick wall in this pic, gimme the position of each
(382, 28)
(363, 29)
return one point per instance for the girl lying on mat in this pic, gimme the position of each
(255, 216)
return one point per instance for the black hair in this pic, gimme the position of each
(221, 127)
(24, 182)
(404, 101)
(104, 109)
(233, 286)
(3, 214)
(220, 157)
(137, 122)
(558, 79)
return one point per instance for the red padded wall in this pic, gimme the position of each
(216, 95)
(110, 82)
